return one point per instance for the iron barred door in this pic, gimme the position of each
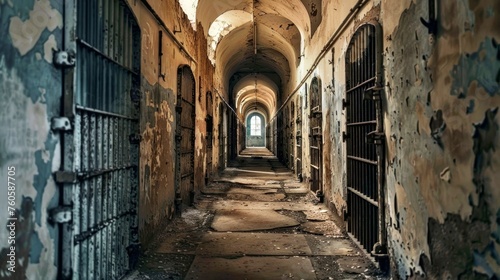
(101, 151)
(316, 139)
(186, 91)
(363, 161)
(210, 131)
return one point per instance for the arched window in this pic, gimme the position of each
(255, 126)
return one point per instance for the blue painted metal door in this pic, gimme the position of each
(101, 152)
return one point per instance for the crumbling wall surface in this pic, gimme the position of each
(30, 92)
(441, 104)
(159, 97)
(157, 114)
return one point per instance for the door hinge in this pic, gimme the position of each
(61, 214)
(375, 137)
(67, 177)
(60, 124)
(345, 103)
(345, 136)
(64, 59)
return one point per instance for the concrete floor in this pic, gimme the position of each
(255, 221)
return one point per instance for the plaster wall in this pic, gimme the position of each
(158, 115)
(30, 93)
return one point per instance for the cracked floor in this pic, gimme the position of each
(255, 221)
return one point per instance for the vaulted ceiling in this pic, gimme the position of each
(257, 44)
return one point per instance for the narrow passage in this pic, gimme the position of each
(255, 221)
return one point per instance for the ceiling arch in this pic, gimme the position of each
(208, 11)
(274, 52)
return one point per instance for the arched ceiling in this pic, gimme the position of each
(252, 90)
(265, 37)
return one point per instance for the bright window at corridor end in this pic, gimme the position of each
(255, 126)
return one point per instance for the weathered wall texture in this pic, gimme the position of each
(440, 104)
(442, 143)
(30, 92)
(158, 115)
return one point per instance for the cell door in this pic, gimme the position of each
(101, 150)
(185, 134)
(315, 134)
(210, 130)
(363, 126)
(298, 138)
(222, 139)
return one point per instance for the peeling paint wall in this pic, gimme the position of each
(441, 126)
(440, 104)
(30, 93)
(158, 115)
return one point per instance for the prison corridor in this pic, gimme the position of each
(255, 221)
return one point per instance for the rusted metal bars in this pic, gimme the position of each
(362, 160)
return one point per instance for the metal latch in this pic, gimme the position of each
(372, 93)
(135, 138)
(64, 59)
(60, 124)
(60, 215)
(375, 137)
(135, 95)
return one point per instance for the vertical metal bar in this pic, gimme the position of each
(92, 195)
(105, 202)
(99, 198)
(77, 208)
(84, 197)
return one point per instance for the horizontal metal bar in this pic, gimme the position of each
(314, 166)
(104, 113)
(362, 160)
(79, 238)
(90, 47)
(363, 196)
(187, 175)
(94, 173)
(314, 148)
(362, 84)
(187, 127)
(188, 102)
(362, 123)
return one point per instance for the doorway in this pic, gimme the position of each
(185, 135)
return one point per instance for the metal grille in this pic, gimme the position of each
(102, 149)
(185, 134)
(210, 131)
(222, 139)
(298, 137)
(362, 160)
(284, 135)
(315, 135)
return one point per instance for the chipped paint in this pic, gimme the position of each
(25, 34)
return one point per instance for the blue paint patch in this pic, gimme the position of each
(481, 66)
(44, 173)
(470, 108)
(36, 248)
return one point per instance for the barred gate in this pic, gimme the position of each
(315, 135)
(364, 129)
(101, 150)
(185, 135)
(298, 137)
(210, 131)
